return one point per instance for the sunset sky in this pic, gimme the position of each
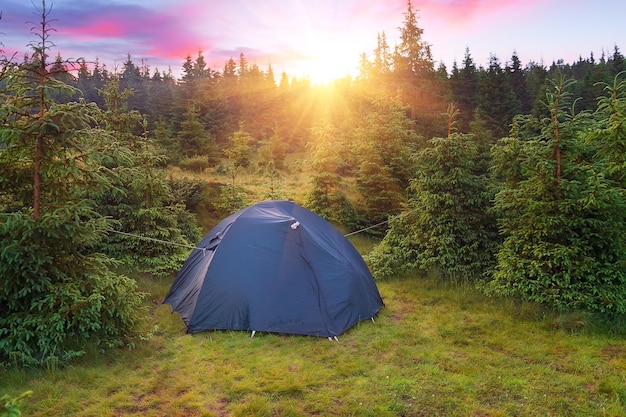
(321, 39)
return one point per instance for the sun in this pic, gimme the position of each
(326, 61)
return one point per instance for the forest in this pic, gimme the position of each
(508, 176)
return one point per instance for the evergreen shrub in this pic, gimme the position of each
(56, 294)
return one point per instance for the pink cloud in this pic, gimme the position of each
(467, 13)
(96, 30)
(144, 30)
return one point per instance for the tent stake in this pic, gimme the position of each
(253, 333)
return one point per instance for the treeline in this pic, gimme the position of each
(510, 177)
(220, 99)
(366, 127)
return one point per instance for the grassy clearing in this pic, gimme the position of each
(435, 349)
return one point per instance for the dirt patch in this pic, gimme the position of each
(613, 351)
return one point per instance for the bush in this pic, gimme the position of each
(194, 163)
(56, 294)
(191, 192)
(152, 240)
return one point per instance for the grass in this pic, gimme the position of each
(436, 349)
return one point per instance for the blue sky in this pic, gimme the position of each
(321, 38)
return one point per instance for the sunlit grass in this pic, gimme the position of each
(435, 349)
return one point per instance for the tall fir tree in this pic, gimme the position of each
(326, 197)
(497, 103)
(139, 198)
(561, 213)
(464, 85)
(58, 294)
(448, 226)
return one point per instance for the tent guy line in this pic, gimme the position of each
(204, 249)
(406, 213)
(158, 240)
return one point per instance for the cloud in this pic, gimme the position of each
(156, 32)
(463, 14)
(109, 30)
(280, 32)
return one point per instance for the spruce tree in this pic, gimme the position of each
(326, 196)
(384, 140)
(413, 56)
(57, 293)
(415, 78)
(464, 84)
(448, 226)
(561, 211)
(497, 103)
(139, 199)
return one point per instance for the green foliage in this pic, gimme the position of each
(273, 151)
(11, 406)
(56, 294)
(326, 196)
(155, 240)
(192, 137)
(413, 55)
(448, 226)
(188, 191)
(497, 103)
(561, 213)
(381, 194)
(272, 175)
(238, 153)
(383, 145)
(166, 219)
(610, 130)
(74, 149)
(326, 200)
(195, 163)
(230, 200)
(156, 227)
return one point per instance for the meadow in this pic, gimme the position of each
(436, 349)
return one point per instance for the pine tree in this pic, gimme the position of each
(448, 226)
(326, 196)
(611, 129)
(561, 213)
(414, 76)
(193, 139)
(497, 103)
(384, 140)
(382, 56)
(464, 88)
(536, 77)
(517, 81)
(57, 293)
(413, 56)
(238, 153)
(139, 198)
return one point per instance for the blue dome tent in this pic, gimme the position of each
(274, 267)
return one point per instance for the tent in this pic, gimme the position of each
(274, 267)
